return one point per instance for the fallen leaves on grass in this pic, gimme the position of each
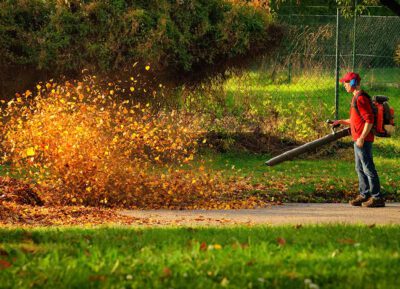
(4, 264)
(347, 241)
(281, 241)
(96, 278)
(167, 272)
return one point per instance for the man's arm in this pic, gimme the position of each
(367, 115)
(344, 121)
(365, 132)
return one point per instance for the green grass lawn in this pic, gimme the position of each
(239, 257)
(313, 88)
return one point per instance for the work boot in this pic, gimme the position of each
(359, 200)
(374, 203)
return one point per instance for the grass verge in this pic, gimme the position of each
(333, 256)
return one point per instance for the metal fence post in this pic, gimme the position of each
(337, 68)
(290, 57)
(354, 35)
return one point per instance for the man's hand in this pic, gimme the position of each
(360, 142)
(338, 122)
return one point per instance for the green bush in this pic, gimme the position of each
(67, 36)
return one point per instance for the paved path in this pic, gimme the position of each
(290, 213)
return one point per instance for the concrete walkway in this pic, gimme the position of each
(290, 213)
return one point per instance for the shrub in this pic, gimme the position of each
(67, 36)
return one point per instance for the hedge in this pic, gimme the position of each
(180, 35)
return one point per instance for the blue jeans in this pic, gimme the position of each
(368, 179)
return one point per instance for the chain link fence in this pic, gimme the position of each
(321, 44)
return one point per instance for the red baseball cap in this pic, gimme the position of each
(349, 76)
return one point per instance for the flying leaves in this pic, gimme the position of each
(85, 145)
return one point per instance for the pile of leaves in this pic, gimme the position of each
(20, 204)
(84, 145)
(12, 190)
(17, 214)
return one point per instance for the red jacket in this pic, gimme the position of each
(357, 122)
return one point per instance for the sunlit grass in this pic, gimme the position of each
(312, 88)
(240, 257)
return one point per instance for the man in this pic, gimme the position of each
(361, 122)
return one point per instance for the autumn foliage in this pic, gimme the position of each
(82, 144)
